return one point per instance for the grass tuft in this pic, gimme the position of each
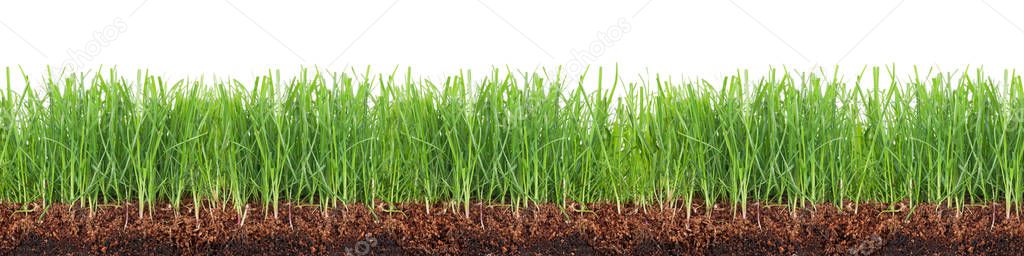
(516, 138)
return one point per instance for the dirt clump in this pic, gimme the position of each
(866, 229)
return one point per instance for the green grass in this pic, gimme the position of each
(514, 138)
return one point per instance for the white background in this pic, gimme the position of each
(236, 38)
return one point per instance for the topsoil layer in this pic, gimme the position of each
(489, 229)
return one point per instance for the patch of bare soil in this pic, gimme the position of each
(866, 229)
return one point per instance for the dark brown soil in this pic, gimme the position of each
(411, 229)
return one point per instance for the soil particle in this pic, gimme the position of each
(866, 229)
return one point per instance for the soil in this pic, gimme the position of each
(865, 229)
